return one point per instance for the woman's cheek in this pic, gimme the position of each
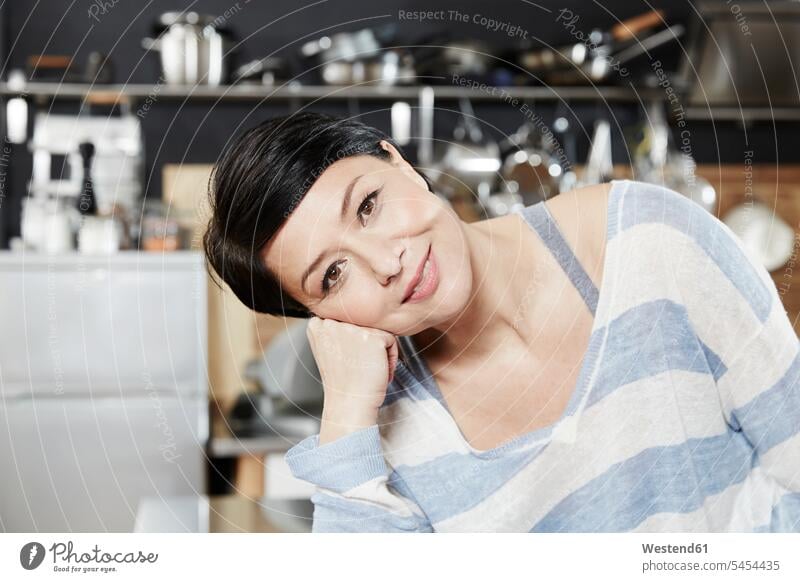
(363, 306)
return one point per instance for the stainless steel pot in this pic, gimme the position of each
(349, 58)
(193, 50)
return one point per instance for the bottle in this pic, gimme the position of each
(87, 204)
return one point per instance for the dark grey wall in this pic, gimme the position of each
(191, 132)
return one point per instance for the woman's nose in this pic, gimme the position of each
(385, 258)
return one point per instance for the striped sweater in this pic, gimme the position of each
(685, 416)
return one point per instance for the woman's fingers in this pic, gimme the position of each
(393, 357)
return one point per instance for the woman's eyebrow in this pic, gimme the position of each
(348, 194)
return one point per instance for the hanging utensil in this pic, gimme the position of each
(471, 159)
(600, 166)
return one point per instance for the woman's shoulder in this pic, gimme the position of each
(694, 246)
(582, 218)
(633, 203)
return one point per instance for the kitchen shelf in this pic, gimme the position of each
(224, 444)
(744, 114)
(245, 92)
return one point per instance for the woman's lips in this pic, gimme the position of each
(427, 281)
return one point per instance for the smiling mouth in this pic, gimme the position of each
(417, 276)
(425, 280)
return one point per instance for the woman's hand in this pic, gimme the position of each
(356, 365)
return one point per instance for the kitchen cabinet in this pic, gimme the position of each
(84, 464)
(103, 388)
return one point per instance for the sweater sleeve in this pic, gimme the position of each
(760, 389)
(750, 344)
(353, 493)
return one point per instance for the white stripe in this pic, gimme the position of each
(783, 462)
(375, 493)
(417, 431)
(661, 262)
(661, 410)
(762, 362)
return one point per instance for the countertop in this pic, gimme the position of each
(223, 514)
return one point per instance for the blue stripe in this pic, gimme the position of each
(668, 479)
(650, 339)
(646, 203)
(454, 483)
(404, 385)
(785, 516)
(773, 416)
(342, 464)
(715, 365)
(332, 514)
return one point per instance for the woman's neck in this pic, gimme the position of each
(505, 282)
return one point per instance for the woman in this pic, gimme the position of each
(608, 360)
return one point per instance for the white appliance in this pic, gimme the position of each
(117, 166)
(103, 387)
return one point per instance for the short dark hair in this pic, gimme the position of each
(259, 180)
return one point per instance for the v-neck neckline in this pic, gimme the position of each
(587, 366)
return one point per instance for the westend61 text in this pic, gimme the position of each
(670, 549)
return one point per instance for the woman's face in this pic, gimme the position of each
(357, 241)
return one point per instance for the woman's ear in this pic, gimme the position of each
(397, 159)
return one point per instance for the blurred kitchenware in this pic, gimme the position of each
(600, 165)
(601, 53)
(266, 71)
(680, 173)
(193, 50)
(466, 58)
(384, 69)
(287, 369)
(344, 46)
(763, 232)
(159, 230)
(440, 57)
(658, 161)
(471, 162)
(32, 222)
(100, 235)
(289, 400)
(348, 58)
(99, 69)
(58, 232)
(87, 203)
(16, 112)
(401, 123)
(61, 68)
(117, 163)
(530, 165)
(48, 225)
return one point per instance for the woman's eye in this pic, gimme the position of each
(367, 207)
(332, 276)
(335, 271)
